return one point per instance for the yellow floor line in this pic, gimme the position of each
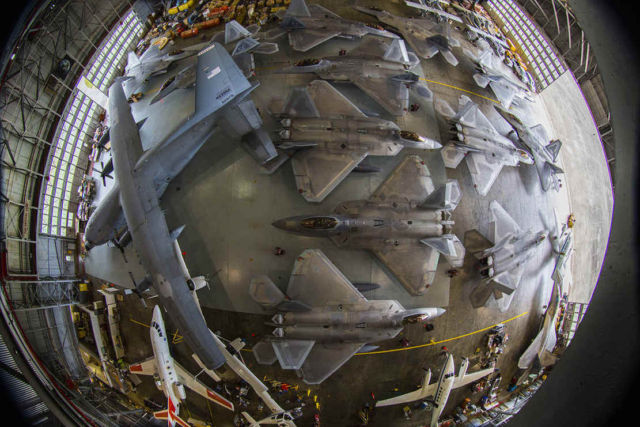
(460, 89)
(442, 341)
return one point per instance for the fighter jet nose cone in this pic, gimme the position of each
(281, 224)
(440, 311)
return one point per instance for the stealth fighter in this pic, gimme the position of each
(492, 72)
(424, 35)
(323, 320)
(544, 151)
(221, 99)
(475, 139)
(405, 223)
(334, 137)
(310, 26)
(378, 68)
(152, 240)
(502, 260)
(239, 41)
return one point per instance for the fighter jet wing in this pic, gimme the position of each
(504, 91)
(393, 96)
(147, 367)
(469, 378)
(325, 359)
(318, 172)
(409, 181)
(316, 282)
(540, 134)
(483, 172)
(303, 39)
(191, 382)
(503, 223)
(418, 394)
(508, 281)
(330, 102)
(318, 11)
(414, 267)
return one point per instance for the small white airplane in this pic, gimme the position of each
(440, 390)
(170, 377)
(281, 419)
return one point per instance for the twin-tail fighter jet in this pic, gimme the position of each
(405, 223)
(333, 137)
(474, 138)
(379, 69)
(323, 320)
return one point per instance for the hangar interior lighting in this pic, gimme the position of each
(74, 130)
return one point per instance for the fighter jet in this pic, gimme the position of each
(379, 69)
(151, 63)
(425, 36)
(146, 223)
(405, 223)
(221, 99)
(475, 139)
(310, 26)
(323, 320)
(440, 390)
(490, 71)
(503, 258)
(545, 152)
(239, 41)
(335, 137)
(170, 377)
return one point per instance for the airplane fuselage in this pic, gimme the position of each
(163, 360)
(150, 234)
(445, 384)
(345, 68)
(490, 143)
(513, 251)
(371, 321)
(378, 137)
(361, 222)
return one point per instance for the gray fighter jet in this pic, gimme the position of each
(475, 139)
(336, 137)
(405, 223)
(378, 68)
(221, 99)
(425, 36)
(544, 151)
(492, 72)
(151, 63)
(153, 241)
(504, 256)
(239, 42)
(310, 26)
(323, 320)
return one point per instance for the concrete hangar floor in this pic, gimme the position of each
(228, 204)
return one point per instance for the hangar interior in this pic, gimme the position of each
(76, 313)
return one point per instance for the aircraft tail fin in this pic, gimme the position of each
(450, 246)
(553, 148)
(397, 52)
(298, 8)
(263, 291)
(445, 197)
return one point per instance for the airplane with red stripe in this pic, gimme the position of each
(170, 377)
